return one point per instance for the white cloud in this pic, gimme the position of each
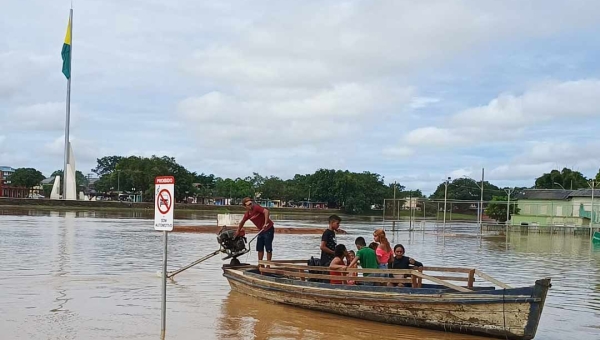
(422, 102)
(540, 157)
(40, 117)
(520, 172)
(398, 152)
(543, 103)
(508, 117)
(308, 44)
(458, 173)
(290, 117)
(18, 70)
(434, 136)
(85, 150)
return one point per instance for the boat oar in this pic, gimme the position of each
(202, 259)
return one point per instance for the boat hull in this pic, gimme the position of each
(507, 314)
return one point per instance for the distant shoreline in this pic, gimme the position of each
(47, 204)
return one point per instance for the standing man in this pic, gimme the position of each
(260, 217)
(328, 240)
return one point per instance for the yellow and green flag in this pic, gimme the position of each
(66, 53)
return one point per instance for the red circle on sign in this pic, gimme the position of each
(166, 204)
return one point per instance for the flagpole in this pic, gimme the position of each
(68, 118)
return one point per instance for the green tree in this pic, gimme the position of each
(353, 192)
(205, 185)
(466, 189)
(496, 209)
(106, 165)
(26, 177)
(129, 173)
(566, 178)
(413, 193)
(273, 188)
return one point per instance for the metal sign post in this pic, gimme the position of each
(164, 187)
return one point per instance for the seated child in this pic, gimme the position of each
(366, 256)
(351, 256)
(338, 263)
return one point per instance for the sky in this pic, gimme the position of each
(416, 91)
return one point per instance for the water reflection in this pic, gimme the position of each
(244, 317)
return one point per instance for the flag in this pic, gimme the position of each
(66, 53)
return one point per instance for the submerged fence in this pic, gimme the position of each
(573, 215)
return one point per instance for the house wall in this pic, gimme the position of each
(556, 212)
(546, 208)
(583, 206)
(548, 220)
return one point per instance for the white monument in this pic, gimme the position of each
(55, 194)
(71, 193)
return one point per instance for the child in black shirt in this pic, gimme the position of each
(328, 240)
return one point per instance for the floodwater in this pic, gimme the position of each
(79, 276)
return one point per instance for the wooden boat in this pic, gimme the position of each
(596, 237)
(426, 301)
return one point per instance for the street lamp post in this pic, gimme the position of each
(592, 186)
(394, 204)
(480, 207)
(559, 185)
(410, 210)
(119, 182)
(445, 200)
(481, 204)
(508, 192)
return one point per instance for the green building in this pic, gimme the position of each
(554, 207)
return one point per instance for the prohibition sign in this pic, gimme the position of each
(165, 200)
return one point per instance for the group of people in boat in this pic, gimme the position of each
(378, 255)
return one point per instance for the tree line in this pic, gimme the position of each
(352, 192)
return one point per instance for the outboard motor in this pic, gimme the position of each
(232, 246)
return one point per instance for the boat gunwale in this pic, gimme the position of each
(512, 295)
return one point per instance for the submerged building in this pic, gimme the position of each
(557, 207)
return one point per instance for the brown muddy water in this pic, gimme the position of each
(85, 275)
